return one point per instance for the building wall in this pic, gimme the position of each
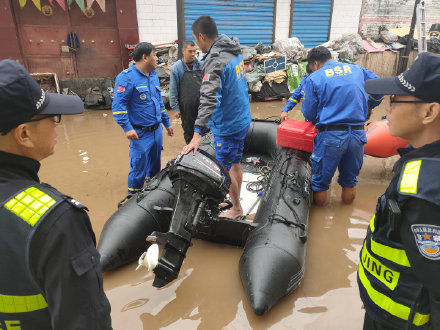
(345, 18)
(157, 20)
(282, 28)
(393, 13)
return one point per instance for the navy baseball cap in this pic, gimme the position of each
(421, 80)
(21, 98)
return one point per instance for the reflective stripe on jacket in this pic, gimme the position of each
(391, 272)
(21, 299)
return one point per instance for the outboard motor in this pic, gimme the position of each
(201, 184)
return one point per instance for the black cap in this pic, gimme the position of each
(21, 98)
(421, 80)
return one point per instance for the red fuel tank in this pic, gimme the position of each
(296, 134)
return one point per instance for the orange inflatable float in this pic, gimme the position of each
(297, 134)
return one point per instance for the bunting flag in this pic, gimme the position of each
(101, 4)
(69, 3)
(22, 3)
(37, 4)
(62, 4)
(51, 2)
(90, 3)
(81, 4)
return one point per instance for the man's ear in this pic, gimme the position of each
(22, 135)
(431, 113)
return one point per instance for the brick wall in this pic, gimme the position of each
(157, 20)
(393, 13)
(345, 18)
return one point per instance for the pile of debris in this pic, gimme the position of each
(272, 72)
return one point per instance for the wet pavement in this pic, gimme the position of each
(91, 164)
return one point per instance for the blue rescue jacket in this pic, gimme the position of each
(224, 101)
(335, 95)
(138, 100)
(296, 96)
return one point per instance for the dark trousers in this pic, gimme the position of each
(370, 324)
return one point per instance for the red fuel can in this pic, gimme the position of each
(296, 134)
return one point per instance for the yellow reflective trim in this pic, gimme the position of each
(21, 304)
(410, 177)
(30, 205)
(293, 100)
(421, 319)
(392, 254)
(238, 154)
(375, 99)
(134, 189)
(141, 87)
(387, 304)
(372, 223)
(119, 112)
(387, 276)
(164, 110)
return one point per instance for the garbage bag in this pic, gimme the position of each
(292, 48)
(247, 52)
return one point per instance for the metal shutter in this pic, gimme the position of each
(311, 21)
(250, 21)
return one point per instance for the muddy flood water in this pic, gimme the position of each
(91, 164)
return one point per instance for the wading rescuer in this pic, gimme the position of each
(336, 102)
(138, 108)
(399, 267)
(296, 96)
(185, 81)
(224, 103)
(50, 275)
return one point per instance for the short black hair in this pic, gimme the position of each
(308, 69)
(141, 49)
(319, 54)
(188, 43)
(205, 24)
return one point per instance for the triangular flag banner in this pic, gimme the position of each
(62, 4)
(37, 4)
(81, 4)
(22, 3)
(51, 2)
(69, 3)
(101, 4)
(90, 3)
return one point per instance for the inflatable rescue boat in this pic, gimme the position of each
(182, 202)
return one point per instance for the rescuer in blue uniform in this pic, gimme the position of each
(296, 96)
(138, 108)
(224, 103)
(399, 267)
(50, 274)
(336, 102)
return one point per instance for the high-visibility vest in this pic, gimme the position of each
(389, 290)
(22, 303)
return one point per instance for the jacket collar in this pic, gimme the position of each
(428, 150)
(19, 166)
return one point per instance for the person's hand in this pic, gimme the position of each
(170, 131)
(177, 115)
(193, 144)
(284, 116)
(131, 135)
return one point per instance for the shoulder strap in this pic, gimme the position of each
(419, 178)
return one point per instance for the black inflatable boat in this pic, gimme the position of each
(181, 202)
